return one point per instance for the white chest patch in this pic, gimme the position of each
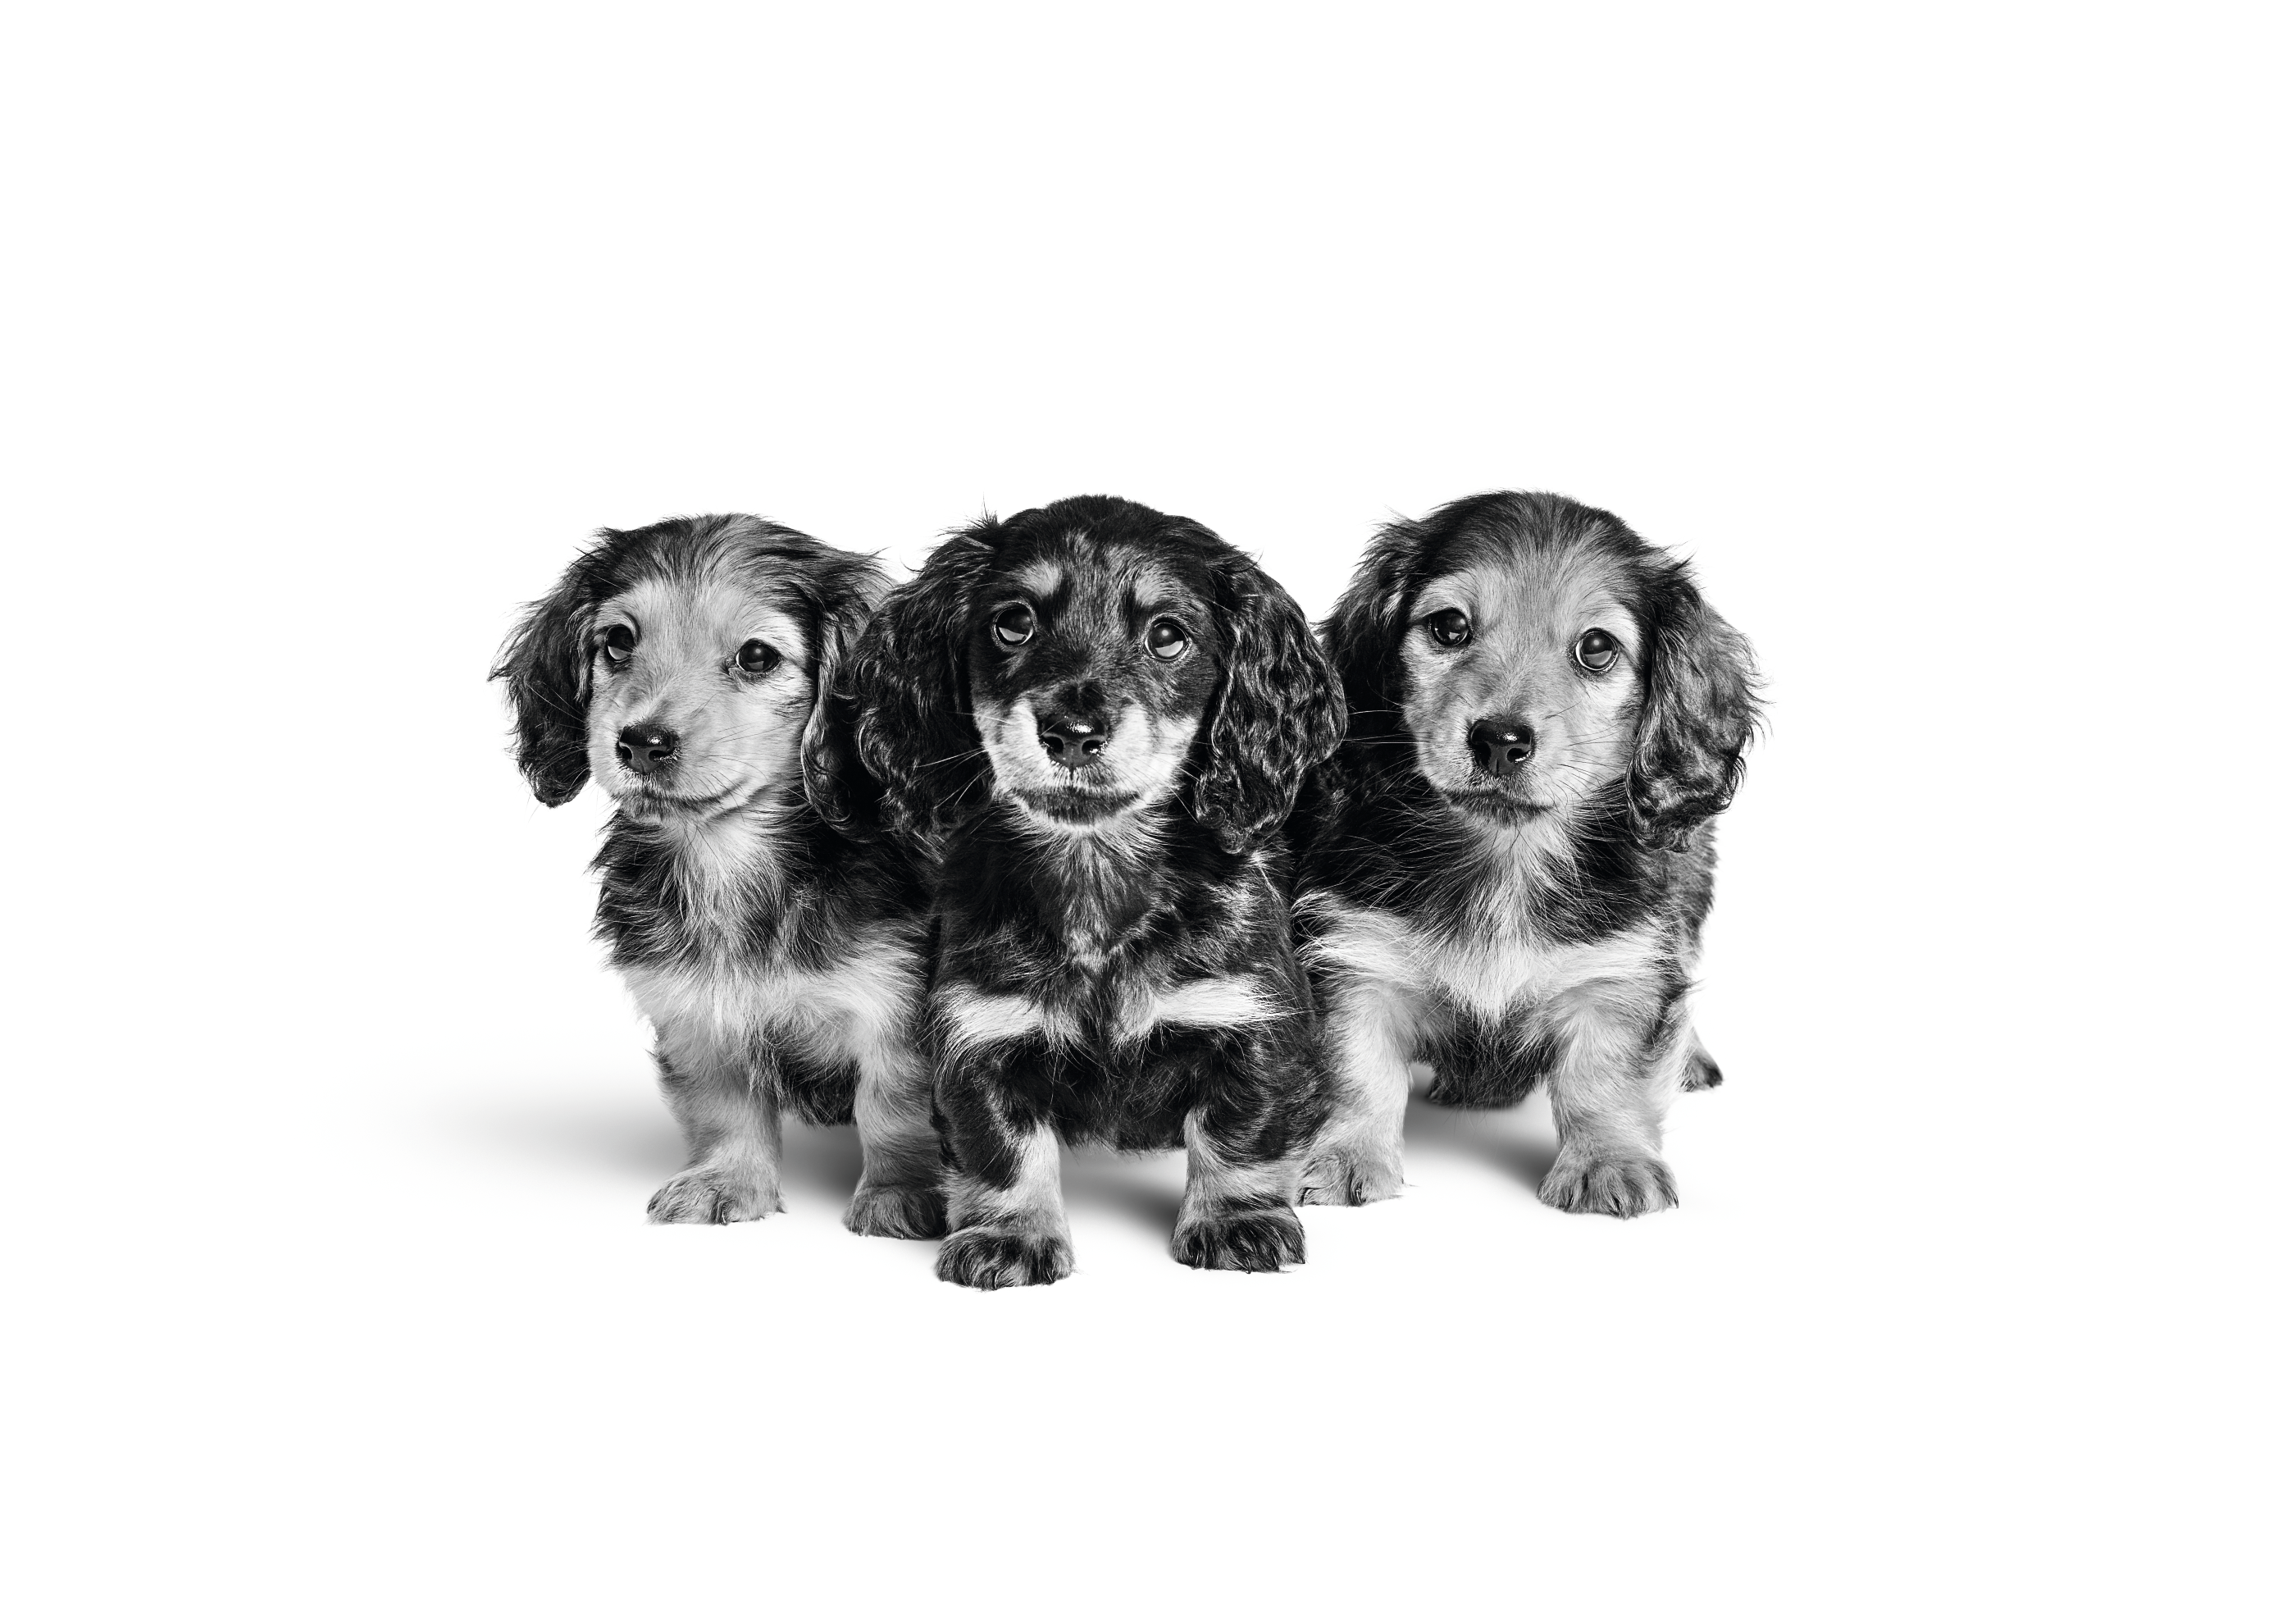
(1224, 1000)
(859, 1006)
(1490, 973)
(971, 1019)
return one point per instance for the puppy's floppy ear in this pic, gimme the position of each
(912, 695)
(1278, 713)
(1362, 632)
(1699, 705)
(544, 665)
(843, 599)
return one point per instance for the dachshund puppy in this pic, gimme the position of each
(687, 667)
(1093, 719)
(1506, 867)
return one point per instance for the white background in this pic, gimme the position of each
(1953, 342)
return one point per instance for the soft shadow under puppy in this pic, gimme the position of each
(1144, 1187)
(819, 1164)
(1519, 1142)
(609, 1137)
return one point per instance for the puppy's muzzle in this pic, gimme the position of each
(1073, 741)
(646, 748)
(1503, 745)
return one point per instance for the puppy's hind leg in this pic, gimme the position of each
(1358, 1157)
(900, 1193)
(1700, 1071)
(730, 1109)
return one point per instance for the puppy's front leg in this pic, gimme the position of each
(900, 1192)
(729, 1106)
(1246, 1136)
(1237, 1213)
(1610, 1091)
(1007, 1226)
(1358, 1157)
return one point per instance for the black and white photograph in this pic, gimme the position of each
(1054, 812)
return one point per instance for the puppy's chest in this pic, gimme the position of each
(1488, 971)
(1496, 975)
(1105, 933)
(1109, 984)
(743, 987)
(1127, 1011)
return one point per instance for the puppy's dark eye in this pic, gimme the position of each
(1450, 628)
(1168, 640)
(1015, 625)
(619, 641)
(757, 657)
(1596, 651)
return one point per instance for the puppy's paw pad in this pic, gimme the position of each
(989, 1260)
(1255, 1242)
(1622, 1186)
(1339, 1178)
(905, 1212)
(700, 1197)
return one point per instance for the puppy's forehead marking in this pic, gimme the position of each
(708, 619)
(1080, 572)
(1556, 593)
(1156, 587)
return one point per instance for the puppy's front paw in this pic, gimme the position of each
(991, 1258)
(1622, 1184)
(712, 1195)
(1259, 1243)
(1351, 1175)
(906, 1212)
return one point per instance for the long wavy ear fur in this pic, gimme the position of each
(912, 699)
(544, 665)
(1700, 706)
(1278, 714)
(1361, 636)
(845, 796)
(1361, 633)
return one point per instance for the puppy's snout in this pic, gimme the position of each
(1071, 740)
(1072, 723)
(1503, 745)
(646, 748)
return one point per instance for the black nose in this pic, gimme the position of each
(1502, 744)
(646, 748)
(1073, 739)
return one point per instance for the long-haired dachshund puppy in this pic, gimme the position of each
(688, 666)
(1094, 718)
(1508, 863)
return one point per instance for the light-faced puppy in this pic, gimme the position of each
(1506, 867)
(1091, 719)
(689, 667)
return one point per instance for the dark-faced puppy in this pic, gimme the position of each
(1094, 718)
(687, 667)
(1506, 867)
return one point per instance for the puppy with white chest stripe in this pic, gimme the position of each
(1091, 719)
(690, 669)
(1506, 868)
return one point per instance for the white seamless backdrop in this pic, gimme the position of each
(1951, 342)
